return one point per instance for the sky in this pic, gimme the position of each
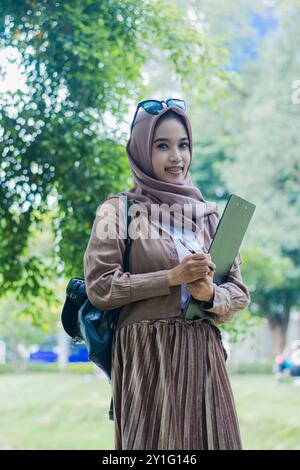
(245, 49)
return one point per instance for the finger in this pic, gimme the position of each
(201, 277)
(205, 269)
(199, 270)
(203, 264)
(198, 283)
(190, 285)
(200, 256)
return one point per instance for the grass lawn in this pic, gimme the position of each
(70, 411)
(269, 412)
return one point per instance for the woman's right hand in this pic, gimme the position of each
(190, 269)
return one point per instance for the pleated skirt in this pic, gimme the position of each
(171, 389)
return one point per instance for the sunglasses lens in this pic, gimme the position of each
(177, 103)
(152, 107)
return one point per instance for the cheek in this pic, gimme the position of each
(158, 162)
(187, 159)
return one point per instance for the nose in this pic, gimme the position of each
(175, 157)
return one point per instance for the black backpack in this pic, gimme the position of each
(85, 323)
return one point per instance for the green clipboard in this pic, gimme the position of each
(225, 245)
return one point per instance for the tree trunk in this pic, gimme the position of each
(278, 326)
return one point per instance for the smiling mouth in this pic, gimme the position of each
(175, 170)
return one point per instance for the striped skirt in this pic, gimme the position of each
(170, 387)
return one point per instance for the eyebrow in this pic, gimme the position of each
(164, 138)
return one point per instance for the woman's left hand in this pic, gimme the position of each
(202, 289)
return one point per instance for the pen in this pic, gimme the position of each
(191, 250)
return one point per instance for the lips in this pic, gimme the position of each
(174, 169)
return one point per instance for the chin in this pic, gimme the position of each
(178, 180)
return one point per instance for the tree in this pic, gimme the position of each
(271, 280)
(27, 320)
(263, 150)
(247, 143)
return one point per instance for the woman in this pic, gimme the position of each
(169, 378)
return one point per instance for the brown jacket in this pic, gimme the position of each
(144, 291)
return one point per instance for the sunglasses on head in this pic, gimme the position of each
(155, 106)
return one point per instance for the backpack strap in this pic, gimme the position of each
(128, 239)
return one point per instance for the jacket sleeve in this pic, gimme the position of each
(229, 297)
(107, 285)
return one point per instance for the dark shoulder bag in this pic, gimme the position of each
(85, 323)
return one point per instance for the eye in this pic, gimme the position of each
(184, 143)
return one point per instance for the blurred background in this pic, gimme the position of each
(71, 74)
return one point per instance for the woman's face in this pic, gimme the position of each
(170, 150)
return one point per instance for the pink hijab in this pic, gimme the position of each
(148, 189)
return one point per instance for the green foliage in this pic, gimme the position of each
(273, 282)
(19, 328)
(205, 168)
(265, 271)
(241, 326)
(31, 310)
(52, 145)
